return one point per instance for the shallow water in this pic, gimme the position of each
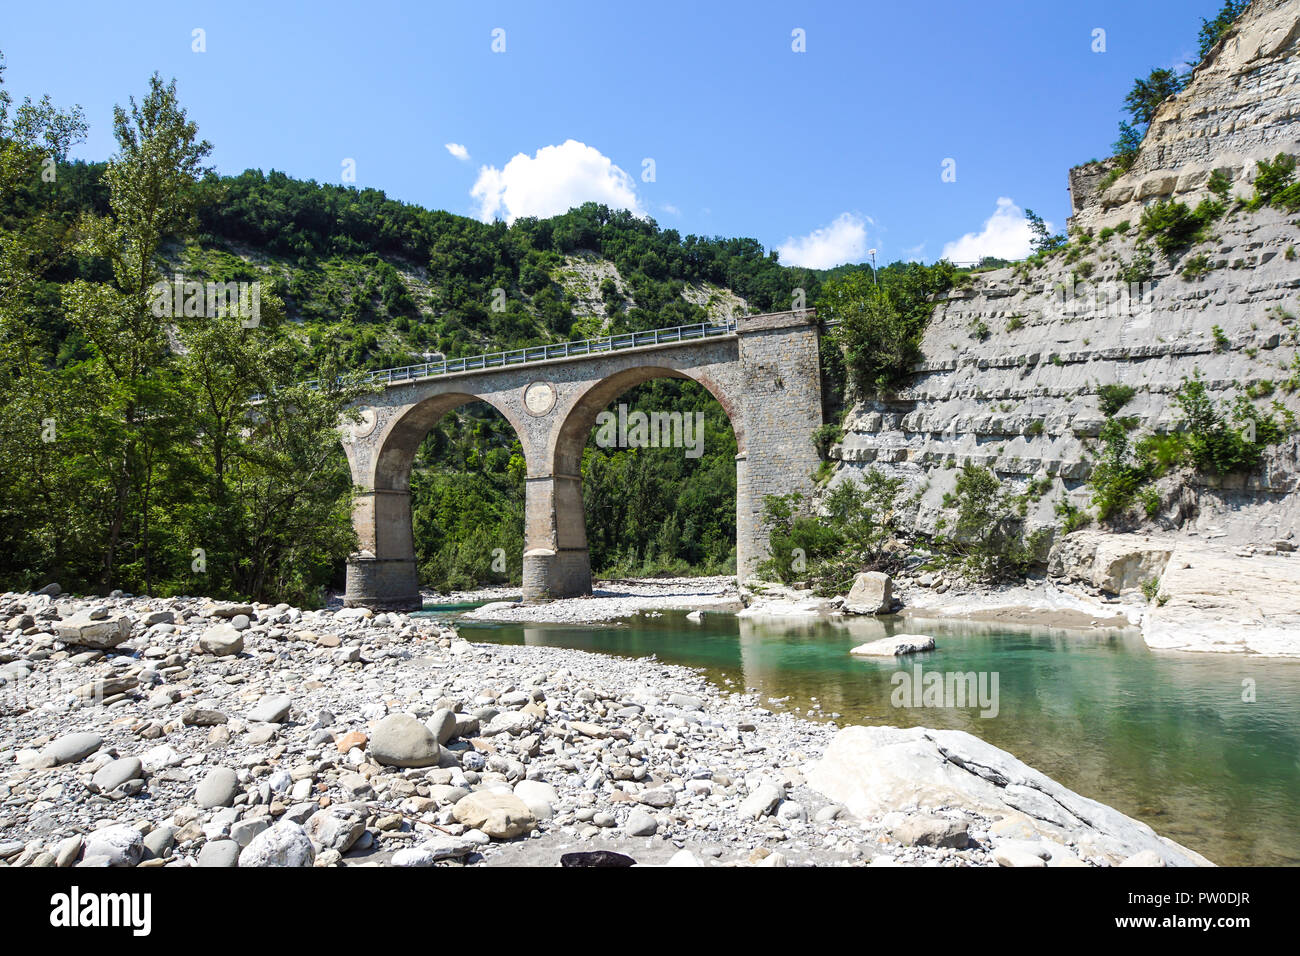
(1166, 738)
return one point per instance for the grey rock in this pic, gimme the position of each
(120, 844)
(1020, 853)
(877, 770)
(639, 824)
(68, 850)
(112, 775)
(926, 829)
(222, 641)
(70, 748)
(232, 610)
(791, 811)
(449, 847)
(243, 831)
(336, 828)
(828, 813)
(217, 789)
(219, 853)
(760, 802)
(442, 725)
(272, 709)
(284, 844)
(659, 798)
(895, 646)
(195, 717)
(83, 631)
(686, 702)
(872, 593)
(400, 740)
(413, 856)
(158, 842)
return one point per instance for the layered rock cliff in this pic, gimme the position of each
(1241, 105)
(1014, 359)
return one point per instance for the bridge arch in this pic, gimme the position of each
(557, 558)
(381, 452)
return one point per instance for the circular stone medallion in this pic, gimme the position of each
(364, 427)
(539, 398)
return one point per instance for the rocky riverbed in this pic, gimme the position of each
(182, 732)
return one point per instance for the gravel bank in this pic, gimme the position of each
(137, 731)
(611, 600)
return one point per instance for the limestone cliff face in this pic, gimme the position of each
(1014, 360)
(1241, 105)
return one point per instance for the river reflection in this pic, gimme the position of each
(1165, 737)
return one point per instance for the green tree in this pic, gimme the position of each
(153, 193)
(1212, 30)
(1147, 94)
(882, 320)
(34, 479)
(1043, 240)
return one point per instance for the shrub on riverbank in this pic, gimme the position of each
(856, 532)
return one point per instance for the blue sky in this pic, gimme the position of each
(822, 154)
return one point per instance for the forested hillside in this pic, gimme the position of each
(129, 458)
(114, 494)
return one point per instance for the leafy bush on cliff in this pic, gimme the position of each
(1174, 226)
(1275, 184)
(1223, 438)
(1118, 475)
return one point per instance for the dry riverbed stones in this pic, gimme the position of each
(223, 735)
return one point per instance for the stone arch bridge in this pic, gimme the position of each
(764, 370)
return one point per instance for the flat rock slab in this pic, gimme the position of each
(83, 631)
(877, 770)
(272, 709)
(895, 646)
(70, 748)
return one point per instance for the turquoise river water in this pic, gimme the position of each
(1172, 739)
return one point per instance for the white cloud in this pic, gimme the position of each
(552, 181)
(1006, 234)
(844, 240)
(457, 150)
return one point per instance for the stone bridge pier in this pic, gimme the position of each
(765, 374)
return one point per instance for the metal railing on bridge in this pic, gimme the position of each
(543, 353)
